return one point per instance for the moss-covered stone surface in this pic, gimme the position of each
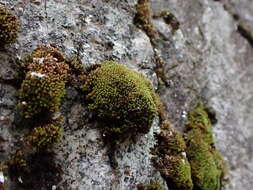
(122, 99)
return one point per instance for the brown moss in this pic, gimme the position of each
(44, 83)
(143, 19)
(9, 26)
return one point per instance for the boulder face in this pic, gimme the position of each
(206, 50)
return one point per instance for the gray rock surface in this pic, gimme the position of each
(207, 58)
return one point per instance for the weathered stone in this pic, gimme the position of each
(206, 58)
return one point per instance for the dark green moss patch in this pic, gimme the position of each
(206, 163)
(123, 100)
(9, 26)
(44, 83)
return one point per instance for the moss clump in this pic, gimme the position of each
(122, 99)
(206, 162)
(9, 27)
(44, 83)
(171, 160)
(153, 186)
(198, 120)
(44, 137)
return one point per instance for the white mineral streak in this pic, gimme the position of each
(1, 177)
(39, 75)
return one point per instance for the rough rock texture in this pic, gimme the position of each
(206, 58)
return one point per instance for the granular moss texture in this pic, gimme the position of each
(9, 26)
(122, 99)
(152, 186)
(171, 160)
(44, 137)
(206, 163)
(44, 84)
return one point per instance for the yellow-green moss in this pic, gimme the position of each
(9, 26)
(206, 162)
(44, 137)
(152, 186)
(121, 98)
(44, 83)
(171, 160)
(198, 120)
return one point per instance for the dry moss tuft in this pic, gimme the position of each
(9, 27)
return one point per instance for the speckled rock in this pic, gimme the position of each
(206, 58)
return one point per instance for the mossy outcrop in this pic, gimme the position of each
(122, 99)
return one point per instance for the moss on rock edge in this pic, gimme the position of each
(206, 163)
